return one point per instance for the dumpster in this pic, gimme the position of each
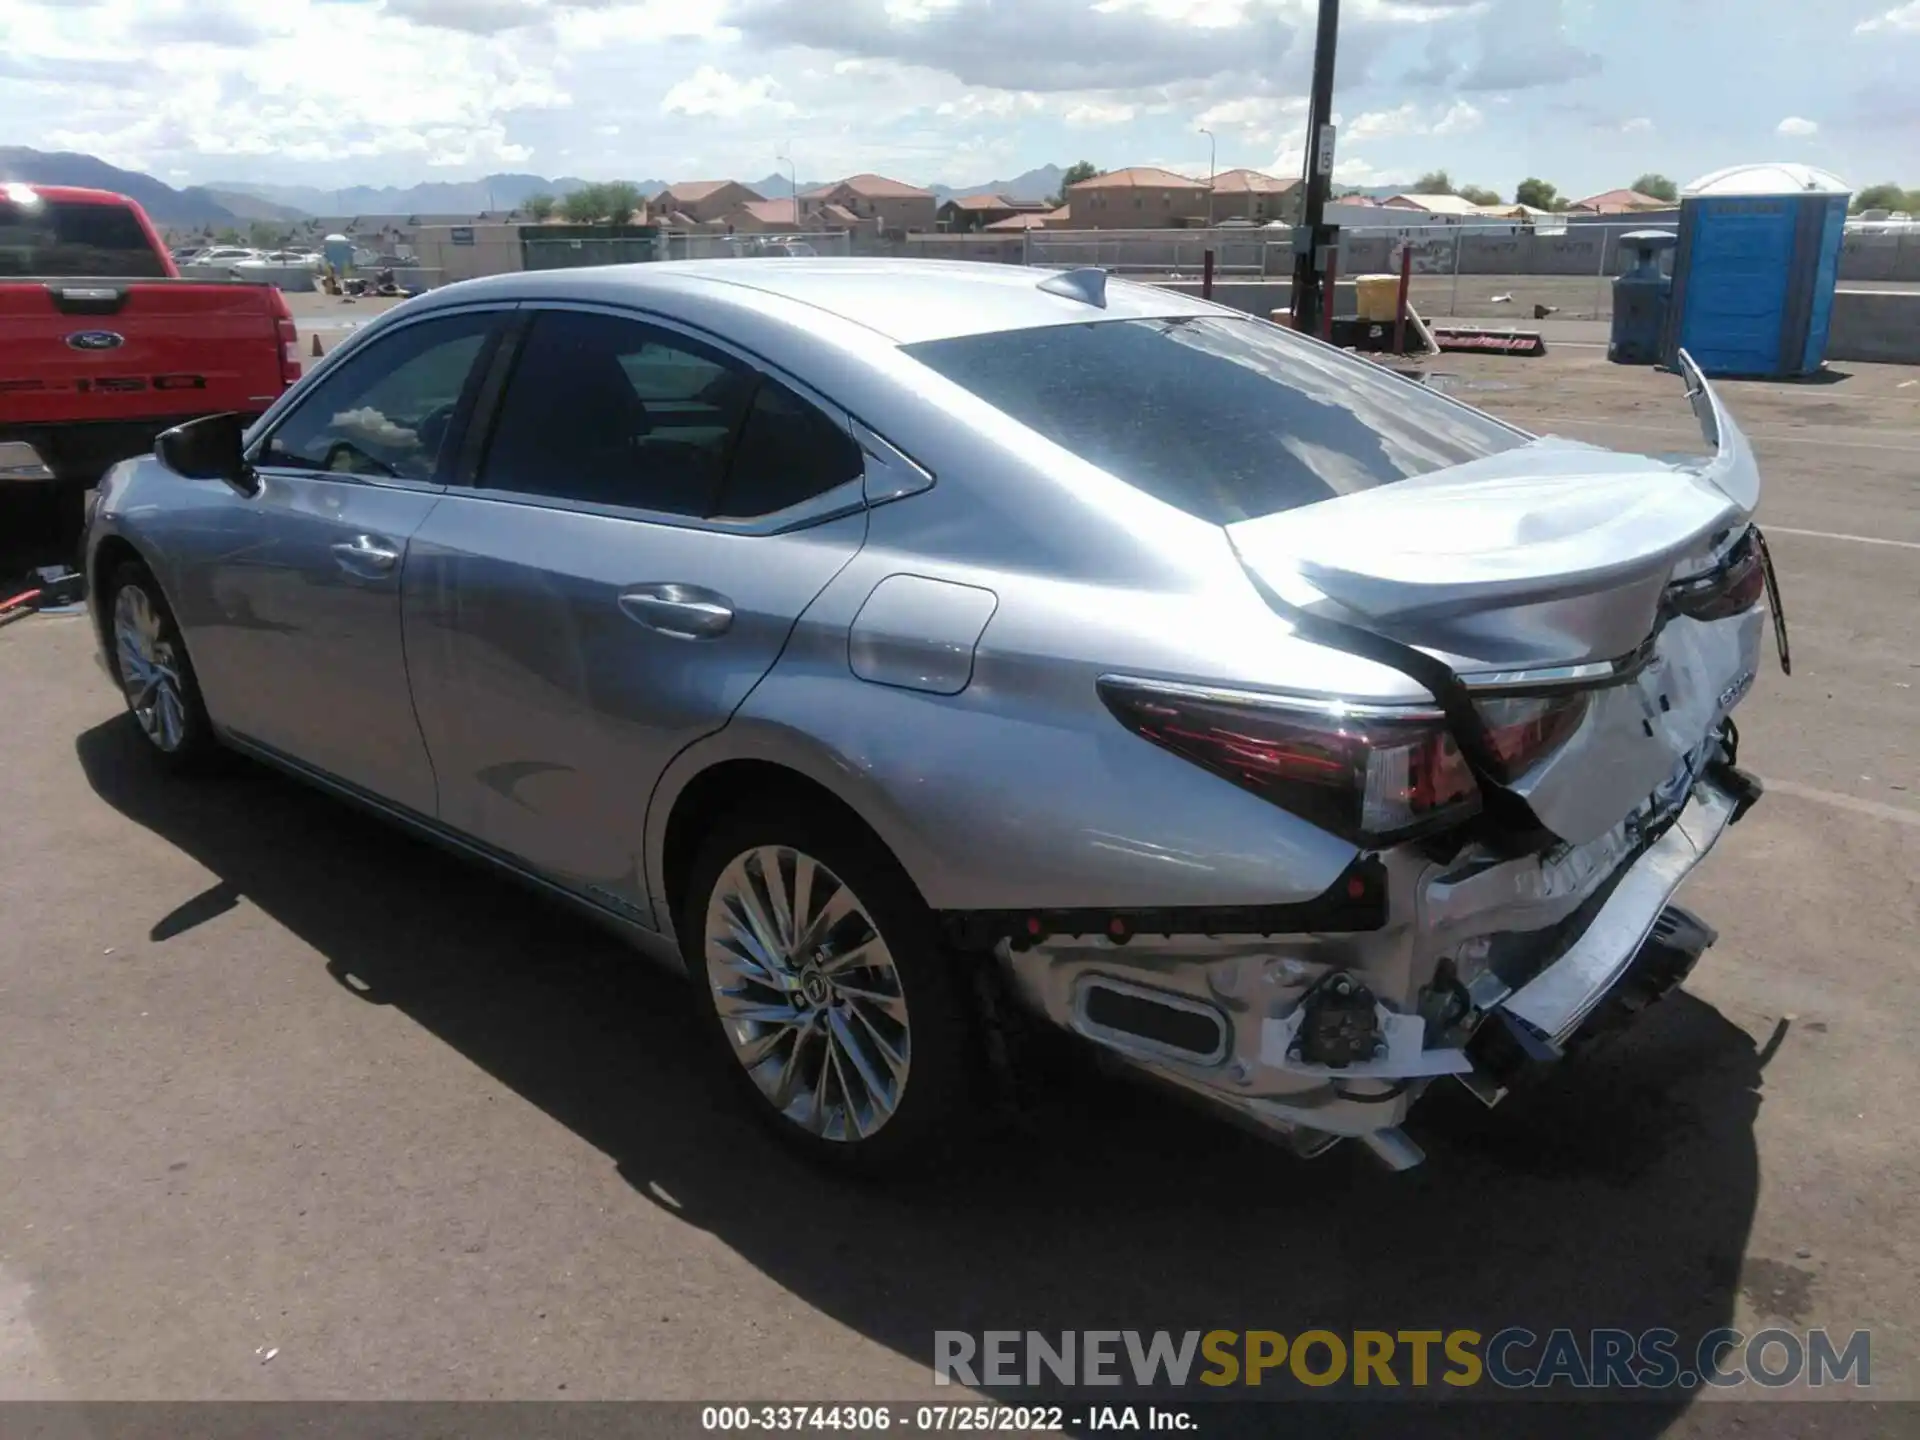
(1755, 271)
(1640, 297)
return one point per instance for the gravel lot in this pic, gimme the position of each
(273, 1077)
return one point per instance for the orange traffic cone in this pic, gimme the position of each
(317, 351)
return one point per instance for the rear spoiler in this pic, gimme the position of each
(1736, 473)
(1732, 469)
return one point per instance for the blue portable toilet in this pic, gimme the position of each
(1640, 299)
(1754, 275)
(338, 251)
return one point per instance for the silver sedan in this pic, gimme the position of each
(908, 650)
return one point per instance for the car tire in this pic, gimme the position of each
(149, 660)
(863, 1056)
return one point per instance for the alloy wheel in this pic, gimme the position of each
(149, 668)
(807, 993)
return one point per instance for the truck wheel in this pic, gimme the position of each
(819, 969)
(156, 677)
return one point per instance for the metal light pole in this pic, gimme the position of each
(793, 179)
(1312, 238)
(1213, 168)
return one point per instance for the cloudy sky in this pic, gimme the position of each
(1586, 93)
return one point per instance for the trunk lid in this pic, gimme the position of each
(1554, 553)
(1557, 557)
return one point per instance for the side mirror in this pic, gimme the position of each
(210, 448)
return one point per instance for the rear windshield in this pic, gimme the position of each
(52, 238)
(1228, 419)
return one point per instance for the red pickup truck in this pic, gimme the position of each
(103, 345)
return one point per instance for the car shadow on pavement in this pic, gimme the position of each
(1617, 1194)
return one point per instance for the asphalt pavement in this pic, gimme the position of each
(294, 1106)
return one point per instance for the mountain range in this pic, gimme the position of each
(168, 206)
(243, 201)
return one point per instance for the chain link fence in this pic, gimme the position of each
(1249, 252)
(1501, 270)
(688, 245)
(1504, 271)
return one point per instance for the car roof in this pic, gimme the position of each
(907, 301)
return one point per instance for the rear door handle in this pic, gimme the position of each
(368, 555)
(686, 612)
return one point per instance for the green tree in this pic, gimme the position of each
(620, 198)
(1539, 194)
(1658, 186)
(1434, 182)
(585, 205)
(228, 236)
(1884, 196)
(263, 235)
(612, 200)
(538, 207)
(1073, 175)
(1479, 195)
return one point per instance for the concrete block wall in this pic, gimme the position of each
(1882, 255)
(1875, 325)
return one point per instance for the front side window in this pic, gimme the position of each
(386, 410)
(612, 411)
(1228, 419)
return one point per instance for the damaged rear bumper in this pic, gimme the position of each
(1221, 1017)
(1555, 1002)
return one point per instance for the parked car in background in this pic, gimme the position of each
(899, 646)
(224, 255)
(103, 346)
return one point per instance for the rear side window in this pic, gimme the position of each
(55, 238)
(788, 452)
(1227, 419)
(617, 412)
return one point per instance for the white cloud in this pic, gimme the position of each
(1795, 127)
(914, 12)
(1095, 113)
(1412, 119)
(1900, 18)
(1638, 125)
(709, 91)
(1384, 124)
(1523, 44)
(1253, 112)
(114, 80)
(1208, 14)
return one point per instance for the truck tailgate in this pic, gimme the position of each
(80, 350)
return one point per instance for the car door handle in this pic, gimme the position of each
(686, 612)
(367, 555)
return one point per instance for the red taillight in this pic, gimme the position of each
(1524, 730)
(1367, 774)
(289, 350)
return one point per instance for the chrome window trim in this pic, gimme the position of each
(842, 500)
(1327, 707)
(269, 473)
